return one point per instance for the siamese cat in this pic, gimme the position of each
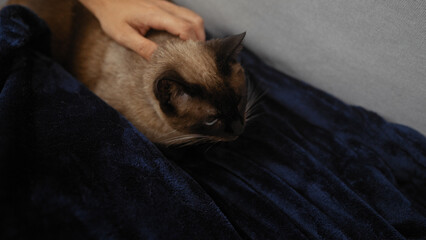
(188, 92)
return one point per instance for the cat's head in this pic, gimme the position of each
(201, 90)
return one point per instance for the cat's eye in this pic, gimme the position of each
(211, 122)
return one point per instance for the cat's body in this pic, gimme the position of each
(188, 92)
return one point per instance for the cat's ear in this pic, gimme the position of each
(226, 50)
(170, 94)
(229, 47)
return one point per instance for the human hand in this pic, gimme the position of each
(127, 21)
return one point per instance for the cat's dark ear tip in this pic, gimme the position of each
(243, 34)
(240, 36)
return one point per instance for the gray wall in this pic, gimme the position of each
(367, 52)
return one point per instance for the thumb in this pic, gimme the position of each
(132, 39)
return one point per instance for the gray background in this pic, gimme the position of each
(366, 52)
(370, 53)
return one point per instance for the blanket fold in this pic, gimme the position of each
(308, 167)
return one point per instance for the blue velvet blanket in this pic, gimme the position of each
(309, 167)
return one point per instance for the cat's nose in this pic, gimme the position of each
(237, 127)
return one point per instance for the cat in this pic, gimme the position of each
(188, 92)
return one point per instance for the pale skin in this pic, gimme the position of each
(128, 21)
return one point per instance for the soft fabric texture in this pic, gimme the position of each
(367, 53)
(309, 167)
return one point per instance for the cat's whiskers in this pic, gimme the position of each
(184, 138)
(168, 134)
(187, 139)
(254, 96)
(254, 105)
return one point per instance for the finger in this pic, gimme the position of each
(130, 38)
(188, 15)
(163, 20)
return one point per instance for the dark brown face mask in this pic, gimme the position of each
(216, 110)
